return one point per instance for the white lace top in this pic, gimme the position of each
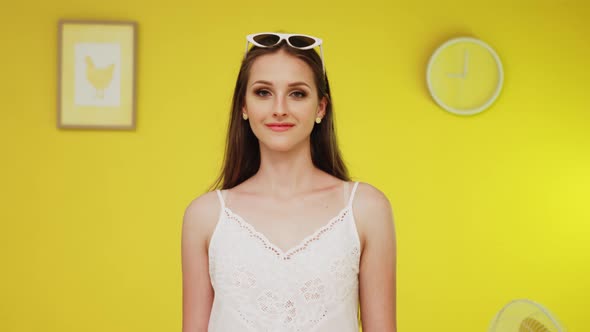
(258, 287)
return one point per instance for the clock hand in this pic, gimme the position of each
(465, 64)
(466, 60)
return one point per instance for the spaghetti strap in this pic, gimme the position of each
(220, 199)
(345, 192)
(352, 194)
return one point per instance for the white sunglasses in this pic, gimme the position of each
(298, 41)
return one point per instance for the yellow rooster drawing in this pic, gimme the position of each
(100, 78)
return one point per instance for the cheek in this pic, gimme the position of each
(254, 105)
(305, 108)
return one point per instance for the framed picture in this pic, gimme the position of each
(96, 74)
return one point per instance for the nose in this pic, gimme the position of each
(280, 107)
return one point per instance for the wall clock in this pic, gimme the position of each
(464, 75)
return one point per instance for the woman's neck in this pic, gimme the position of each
(285, 174)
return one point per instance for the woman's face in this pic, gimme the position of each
(281, 90)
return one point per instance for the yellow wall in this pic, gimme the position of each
(488, 208)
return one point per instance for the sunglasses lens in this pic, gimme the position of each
(267, 39)
(301, 41)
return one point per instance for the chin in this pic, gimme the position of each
(280, 145)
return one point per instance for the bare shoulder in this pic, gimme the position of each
(369, 196)
(201, 215)
(370, 202)
(373, 212)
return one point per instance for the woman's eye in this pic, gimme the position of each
(261, 93)
(266, 93)
(299, 94)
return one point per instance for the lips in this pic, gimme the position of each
(280, 126)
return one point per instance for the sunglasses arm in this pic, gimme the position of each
(322, 55)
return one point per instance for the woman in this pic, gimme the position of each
(278, 247)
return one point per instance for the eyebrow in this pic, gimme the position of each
(290, 84)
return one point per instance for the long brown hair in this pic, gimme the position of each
(242, 151)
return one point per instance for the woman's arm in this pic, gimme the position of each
(197, 293)
(377, 275)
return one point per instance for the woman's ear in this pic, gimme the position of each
(322, 107)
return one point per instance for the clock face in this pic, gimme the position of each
(464, 76)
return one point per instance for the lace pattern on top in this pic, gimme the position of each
(298, 248)
(290, 302)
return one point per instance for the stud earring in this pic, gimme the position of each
(245, 116)
(318, 120)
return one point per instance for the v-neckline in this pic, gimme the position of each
(286, 254)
